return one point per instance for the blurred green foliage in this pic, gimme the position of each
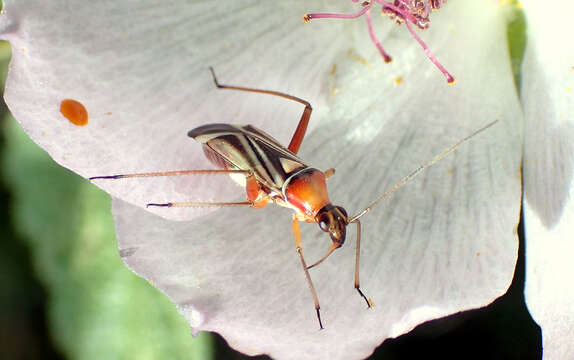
(516, 33)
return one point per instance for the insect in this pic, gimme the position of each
(272, 173)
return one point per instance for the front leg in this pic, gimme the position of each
(297, 237)
(357, 256)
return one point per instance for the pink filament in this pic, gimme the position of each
(374, 39)
(430, 55)
(308, 17)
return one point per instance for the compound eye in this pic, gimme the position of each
(324, 222)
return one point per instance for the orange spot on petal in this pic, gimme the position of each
(74, 111)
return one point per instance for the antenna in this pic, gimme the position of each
(410, 176)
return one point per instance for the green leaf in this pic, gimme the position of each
(516, 33)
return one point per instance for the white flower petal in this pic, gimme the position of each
(548, 97)
(444, 243)
(141, 70)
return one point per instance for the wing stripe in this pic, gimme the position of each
(276, 174)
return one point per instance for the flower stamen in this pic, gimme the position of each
(415, 12)
(366, 6)
(386, 57)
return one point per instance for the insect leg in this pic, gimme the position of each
(299, 133)
(201, 204)
(170, 173)
(329, 172)
(298, 245)
(357, 255)
(252, 187)
(258, 204)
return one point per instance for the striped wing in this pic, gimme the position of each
(248, 148)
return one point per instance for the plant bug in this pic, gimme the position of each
(272, 173)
